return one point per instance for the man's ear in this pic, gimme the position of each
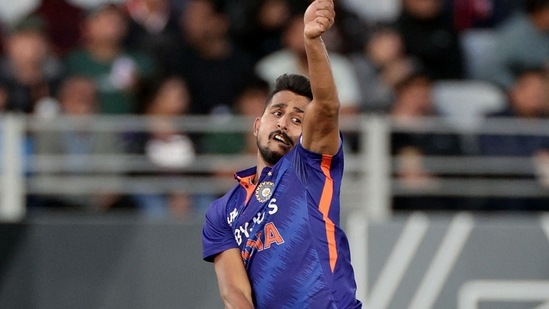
(256, 125)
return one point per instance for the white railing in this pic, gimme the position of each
(369, 184)
(12, 188)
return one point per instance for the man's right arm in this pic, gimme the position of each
(321, 121)
(234, 285)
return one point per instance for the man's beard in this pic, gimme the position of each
(271, 157)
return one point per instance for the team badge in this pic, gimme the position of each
(264, 191)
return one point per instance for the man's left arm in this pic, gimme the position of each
(321, 121)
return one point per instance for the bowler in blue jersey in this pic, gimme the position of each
(275, 238)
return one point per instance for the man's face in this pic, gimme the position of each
(279, 128)
(27, 47)
(106, 26)
(529, 95)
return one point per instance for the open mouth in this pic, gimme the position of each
(282, 138)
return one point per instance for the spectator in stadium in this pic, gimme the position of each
(29, 72)
(74, 143)
(168, 150)
(208, 58)
(153, 28)
(429, 35)
(528, 100)
(102, 57)
(413, 101)
(381, 65)
(523, 42)
(258, 25)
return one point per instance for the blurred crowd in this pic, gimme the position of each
(219, 57)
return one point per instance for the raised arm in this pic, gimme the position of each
(232, 278)
(321, 121)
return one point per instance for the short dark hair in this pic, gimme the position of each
(295, 83)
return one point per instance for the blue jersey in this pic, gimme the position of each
(288, 232)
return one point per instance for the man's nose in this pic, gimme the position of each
(283, 123)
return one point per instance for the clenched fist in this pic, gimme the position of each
(318, 18)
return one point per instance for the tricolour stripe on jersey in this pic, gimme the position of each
(247, 184)
(324, 207)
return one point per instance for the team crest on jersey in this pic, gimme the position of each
(264, 191)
